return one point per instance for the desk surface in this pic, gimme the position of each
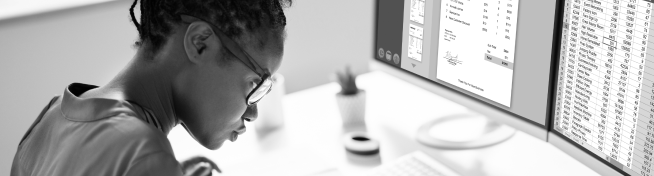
(311, 137)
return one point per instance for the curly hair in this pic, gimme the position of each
(232, 17)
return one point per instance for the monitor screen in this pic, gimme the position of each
(499, 52)
(604, 101)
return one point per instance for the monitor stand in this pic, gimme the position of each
(463, 131)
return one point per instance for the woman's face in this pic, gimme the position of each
(211, 98)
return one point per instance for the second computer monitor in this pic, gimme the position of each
(604, 100)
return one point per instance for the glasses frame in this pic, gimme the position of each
(238, 51)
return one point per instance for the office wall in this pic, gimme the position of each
(324, 36)
(41, 54)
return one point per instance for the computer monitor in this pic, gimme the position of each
(603, 111)
(494, 57)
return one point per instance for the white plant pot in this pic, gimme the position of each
(352, 109)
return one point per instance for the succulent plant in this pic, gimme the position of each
(347, 80)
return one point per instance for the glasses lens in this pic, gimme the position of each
(261, 91)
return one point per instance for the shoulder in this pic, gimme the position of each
(136, 133)
(147, 149)
(159, 163)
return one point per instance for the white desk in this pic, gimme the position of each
(311, 137)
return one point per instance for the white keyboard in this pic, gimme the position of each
(413, 164)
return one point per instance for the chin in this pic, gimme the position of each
(215, 145)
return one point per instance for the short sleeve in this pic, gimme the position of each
(161, 163)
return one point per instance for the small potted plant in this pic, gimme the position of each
(351, 101)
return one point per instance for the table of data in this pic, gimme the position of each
(605, 99)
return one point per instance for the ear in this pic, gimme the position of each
(200, 43)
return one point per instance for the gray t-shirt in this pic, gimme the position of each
(93, 136)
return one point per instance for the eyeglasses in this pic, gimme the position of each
(266, 83)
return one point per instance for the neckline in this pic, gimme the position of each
(79, 109)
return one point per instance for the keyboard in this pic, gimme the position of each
(413, 164)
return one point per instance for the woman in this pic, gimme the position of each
(199, 63)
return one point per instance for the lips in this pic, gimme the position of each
(234, 136)
(236, 133)
(240, 131)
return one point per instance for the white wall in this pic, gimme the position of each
(325, 35)
(41, 54)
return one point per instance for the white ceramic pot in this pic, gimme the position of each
(352, 109)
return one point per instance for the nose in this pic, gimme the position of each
(251, 113)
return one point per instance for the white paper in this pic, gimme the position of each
(415, 42)
(469, 32)
(417, 13)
